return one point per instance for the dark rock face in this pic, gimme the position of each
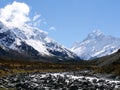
(29, 50)
(57, 81)
(2, 52)
(7, 38)
(60, 53)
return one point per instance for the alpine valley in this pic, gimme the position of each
(31, 60)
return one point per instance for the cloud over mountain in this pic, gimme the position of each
(15, 14)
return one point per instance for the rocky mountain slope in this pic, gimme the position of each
(31, 42)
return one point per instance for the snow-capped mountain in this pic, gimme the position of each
(96, 45)
(32, 41)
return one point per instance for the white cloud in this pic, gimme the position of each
(37, 23)
(52, 28)
(15, 14)
(36, 17)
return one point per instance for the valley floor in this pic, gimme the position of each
(58, 81)
(32, 75)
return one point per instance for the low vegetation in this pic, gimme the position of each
(108, 64)
(8, 67)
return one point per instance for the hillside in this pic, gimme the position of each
(108, 64)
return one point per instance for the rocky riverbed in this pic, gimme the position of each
(59, 81)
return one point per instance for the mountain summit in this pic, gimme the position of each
(97, 44)
(95, 34)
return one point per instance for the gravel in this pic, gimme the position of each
(58, 81)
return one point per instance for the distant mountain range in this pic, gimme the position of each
(96, 45)
(31, 42)
(17, 45)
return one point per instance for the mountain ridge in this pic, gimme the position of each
(33, 41)
(97, 44)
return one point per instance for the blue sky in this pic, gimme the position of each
(74, 19)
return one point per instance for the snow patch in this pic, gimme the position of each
(39, 46)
